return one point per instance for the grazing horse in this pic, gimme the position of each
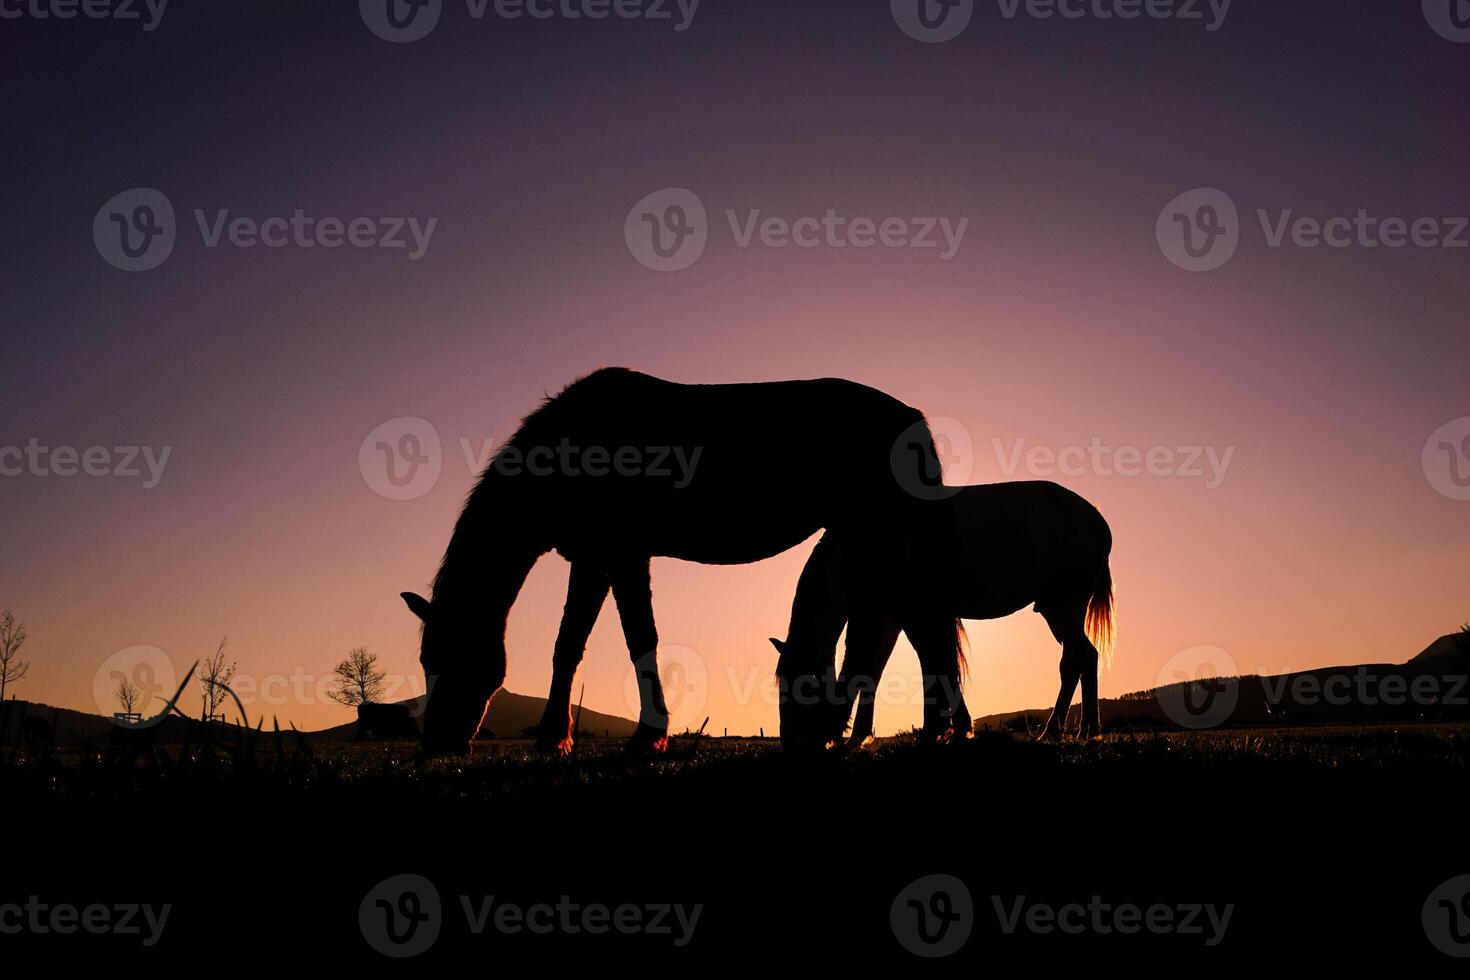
(620, 467)
(385, 721)
(1016, 544)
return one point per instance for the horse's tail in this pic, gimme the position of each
(1099, 622)
(962, 643)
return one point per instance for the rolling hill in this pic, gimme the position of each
(1434, 685)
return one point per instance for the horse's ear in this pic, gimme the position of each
(417, 605)
(779, 645)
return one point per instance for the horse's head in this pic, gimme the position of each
(459, 680)
(807, 691)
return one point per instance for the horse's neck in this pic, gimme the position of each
(492, 549)
(486, 578)
(819, 609)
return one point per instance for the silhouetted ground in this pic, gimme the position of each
(1327, 841)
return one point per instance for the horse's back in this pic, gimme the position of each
(1024, 542)
(730, 472)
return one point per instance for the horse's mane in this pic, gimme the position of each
(541, 426)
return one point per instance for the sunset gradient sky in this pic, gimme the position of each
(1058, 322)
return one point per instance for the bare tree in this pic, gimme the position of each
(12, 638)
(214, 675)
(128, 695)
(358, 681)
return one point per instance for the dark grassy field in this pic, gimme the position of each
(1326, 840)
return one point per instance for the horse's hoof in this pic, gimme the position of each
(551, 745)
(934, 736)
(1049, 735)
(859, 741)
(647, 741)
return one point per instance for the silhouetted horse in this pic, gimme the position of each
(1016, 544)
(621, 466)
(386, 721)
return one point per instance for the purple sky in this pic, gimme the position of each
(1057, 322)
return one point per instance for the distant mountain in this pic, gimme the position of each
(511, 714)
(1433, 686)
(1449, 645)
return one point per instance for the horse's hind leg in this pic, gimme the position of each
(933, 638)
(632, 592)
(1079, 663)
(586, 591)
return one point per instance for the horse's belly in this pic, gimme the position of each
(991, 606)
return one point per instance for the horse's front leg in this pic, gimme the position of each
(936, 643)
(862, 726)
(586, 591)
(633, 592)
